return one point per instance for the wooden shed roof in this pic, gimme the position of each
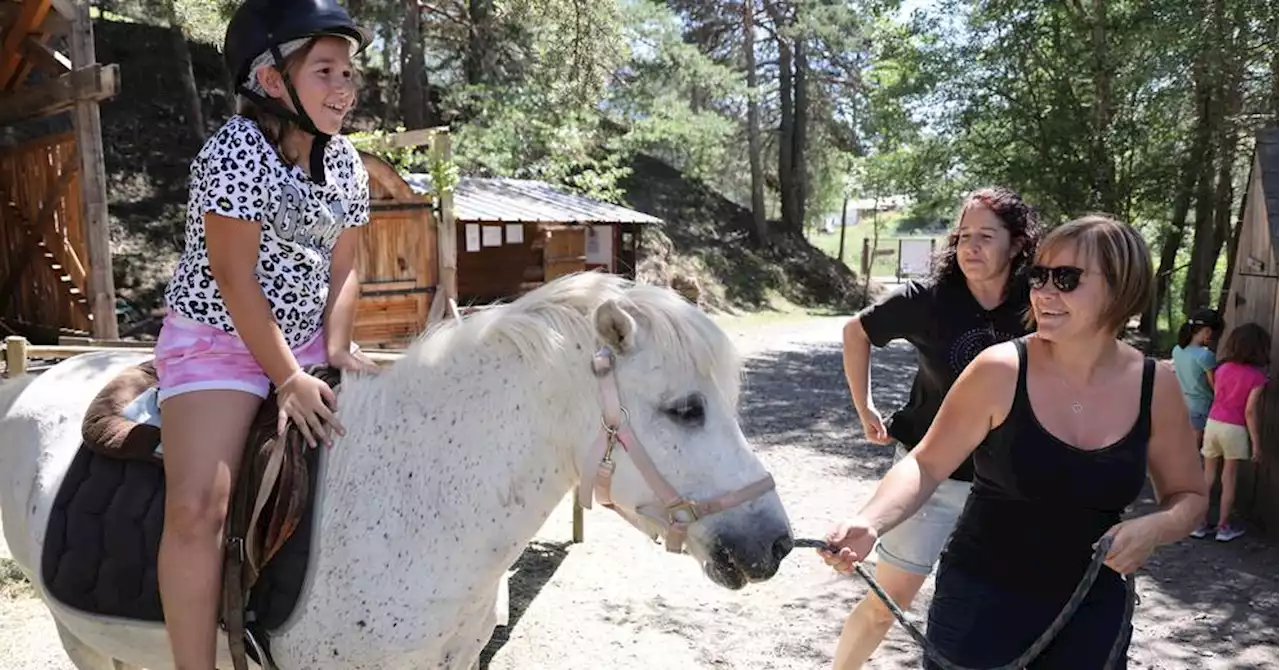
(1268, 148)
(527, 201)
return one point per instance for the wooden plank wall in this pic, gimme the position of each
(495, 273)
(31, 175)
(1253, 297)
(398, 273)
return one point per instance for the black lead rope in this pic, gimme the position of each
(1073, 603)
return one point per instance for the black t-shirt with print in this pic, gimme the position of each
(948, 328)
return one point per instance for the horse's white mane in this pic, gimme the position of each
(543, 323)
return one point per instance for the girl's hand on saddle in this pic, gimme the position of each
(353, 361)
(851, 542)
(1132, 543)
(309, 402)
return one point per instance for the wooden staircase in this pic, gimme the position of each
(44, 276)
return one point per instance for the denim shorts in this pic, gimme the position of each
(915, 544)
(1198, 410)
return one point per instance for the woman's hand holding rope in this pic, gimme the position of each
(852, 542)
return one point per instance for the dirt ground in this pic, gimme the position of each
(622, 602)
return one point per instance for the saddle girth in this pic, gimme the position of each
(268, 501)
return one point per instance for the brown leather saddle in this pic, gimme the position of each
(270, 499)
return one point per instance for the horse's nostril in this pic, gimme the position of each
(782, 546)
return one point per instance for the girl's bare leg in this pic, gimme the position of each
(203, 434)
(1228, 498)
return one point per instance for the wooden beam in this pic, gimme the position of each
(29, 18)
(45, 56)
(93, 83)
(67, 8)
(447, 237)
(15, 356)
(93, 185)
(414, 138)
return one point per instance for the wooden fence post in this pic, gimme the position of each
(577, 521)
(15, 356)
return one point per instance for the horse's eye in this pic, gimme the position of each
(691, 410)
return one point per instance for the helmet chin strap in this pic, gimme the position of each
(299, 116)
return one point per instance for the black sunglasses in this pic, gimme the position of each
(1065, 278)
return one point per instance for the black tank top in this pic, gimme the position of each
(1038, 504)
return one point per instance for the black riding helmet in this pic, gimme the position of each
(259, 26)
(1206, 317)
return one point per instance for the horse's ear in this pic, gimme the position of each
(616, 326)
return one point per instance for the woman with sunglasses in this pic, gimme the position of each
(1070, 421)
(976, 297)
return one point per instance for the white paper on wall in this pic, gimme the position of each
(473, 237)
(491, 236)
(515, 233)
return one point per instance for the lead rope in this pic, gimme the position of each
(1073, 603)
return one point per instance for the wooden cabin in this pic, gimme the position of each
(515, 234)
(1253, 296)
(55, 251)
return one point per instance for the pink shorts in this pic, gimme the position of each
(192, 356)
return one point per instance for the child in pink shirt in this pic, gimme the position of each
(1232, 426)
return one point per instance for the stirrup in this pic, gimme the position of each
(256, 652)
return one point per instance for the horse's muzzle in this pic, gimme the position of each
(737, 559)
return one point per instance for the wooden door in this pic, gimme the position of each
(398, 276)
(565, 251)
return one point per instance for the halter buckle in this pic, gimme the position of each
(682, 512)
(602, 362)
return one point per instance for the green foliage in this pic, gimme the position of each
(522, 133)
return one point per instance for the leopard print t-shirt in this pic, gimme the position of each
(239, 175)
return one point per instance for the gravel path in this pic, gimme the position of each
(621, 602)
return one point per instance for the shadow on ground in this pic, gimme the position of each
(535, 567)
(800, 398)
(1229, 587)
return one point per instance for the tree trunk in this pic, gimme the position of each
(1226, 232)
(1204, 250)
(479, 61)
(1232, 245)
(786, 126)
(799, 162)
(195, 113)
(413, 85)
(390, 104)
(1275, 58)
(1198, 155)
(1195, 292)
(761, 227)
(1104, 178)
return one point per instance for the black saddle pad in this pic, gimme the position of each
(103, 540)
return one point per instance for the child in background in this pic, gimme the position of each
(1194, 362)
(1232, 426)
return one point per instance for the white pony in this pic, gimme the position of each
(456, 455)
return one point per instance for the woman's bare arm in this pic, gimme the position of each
(857, 364)
(233, 259)
(979, 400)
(1173, 461)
